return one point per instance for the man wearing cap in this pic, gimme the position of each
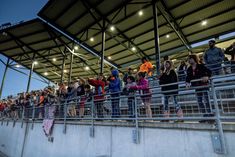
(213, 58)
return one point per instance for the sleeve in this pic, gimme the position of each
(96, 82)
(205, 57)
(228, 50)
(140, 87)
(206, 71)
(174, 77)
(114, 83)
(188, 76)
(221, 54)
(150, 66)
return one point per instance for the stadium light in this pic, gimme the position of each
(204, 23)
(92, 39)
(140, 13)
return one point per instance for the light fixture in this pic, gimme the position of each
(112, 28)
(167, 36)
(75, 47)
(17, 65)
(109, 57)
(35, 63)
(173, 60)
(204, 23)
(135, 70)
(54, 59)
(133, 49)
(140, 13)
(65, 71)
(45, 73)
(91, 39)
(87, 68)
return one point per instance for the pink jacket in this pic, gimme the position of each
(143, 85)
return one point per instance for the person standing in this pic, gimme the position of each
(231, 51)
(129, 73)
(146, 67)
(114, 83)
(198, 71)
(182, 71)
(99, 84)
(169, 77)
(143, 87)
(213, 58)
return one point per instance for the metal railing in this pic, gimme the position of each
(212, 103)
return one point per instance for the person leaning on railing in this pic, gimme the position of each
(231, 51)
(169, 76)
(195, 72)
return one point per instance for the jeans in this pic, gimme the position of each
(166, 103)
(131, 107)
(232, 66)
(99, 108)
(115, 105)
(204, 107)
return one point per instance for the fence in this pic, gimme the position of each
(212, 103)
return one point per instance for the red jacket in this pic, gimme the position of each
(99, 88)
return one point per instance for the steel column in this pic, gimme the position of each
(4, 77)
(62, 70)
(102, 48)
(30, 74)
(156, 36)
(71, 67)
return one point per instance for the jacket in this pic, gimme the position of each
(115, 82)
(230, 51)
(99, 88)
(168, 79)
(213, 56)
(198, 73)
(142, 85)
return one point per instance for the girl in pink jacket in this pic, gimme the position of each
(143, 87)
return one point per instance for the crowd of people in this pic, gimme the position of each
(77, 94)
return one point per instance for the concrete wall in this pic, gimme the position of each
(109, 141)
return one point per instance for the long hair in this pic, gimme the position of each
(167, 70)
(194, 57)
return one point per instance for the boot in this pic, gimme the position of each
(179, 115)
(166, 115)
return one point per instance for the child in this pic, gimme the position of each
(143, 86)
(130, 92)
(85, 98)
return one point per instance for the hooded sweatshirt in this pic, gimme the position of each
(115, 82)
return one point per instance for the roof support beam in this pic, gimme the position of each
(169, 17)
(35, 52)
(88, 5)
(4, 76)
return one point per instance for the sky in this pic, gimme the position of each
(14, 11)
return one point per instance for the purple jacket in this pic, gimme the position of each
(143, 85)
